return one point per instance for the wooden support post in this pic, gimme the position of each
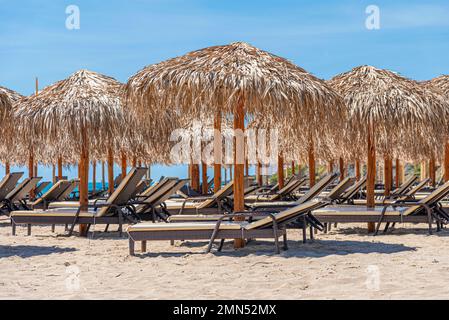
(53, 174)
(195, 180)
(124, 165)
(293, 168)
(259, 174)
(446, 162)
(7, 168)
(218, 145)
(388, 172)
(312, 170)
(371, 172)
(239, 158)
(110, 171)
(342, 169)
(204, 178)
(31, 170)
(134, 162)
(330, 166)
(432, 171)
(84, 178)
(398, 173)
(358, 171)
(59, 168)
(94, 176)
(281, 179)
(103, 182)
(424, 170)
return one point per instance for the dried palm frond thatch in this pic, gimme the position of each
(86, 101)
(214, 79)
(399, 108)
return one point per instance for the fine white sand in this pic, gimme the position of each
(343, 264)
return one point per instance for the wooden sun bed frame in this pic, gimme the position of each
(106, 213)
(272, 226)
(16, 199)
(412, 212)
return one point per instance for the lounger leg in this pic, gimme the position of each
(13, 228)
(276, 241)
(120, 225)
(325, 228)
(144, 247)
(172, 242)
(221, 245)
(66, 227)
(29, 230)
(53, 228)
(386, 227)
(311, 233)
(284, 240)
(131, 247)
(106, 229)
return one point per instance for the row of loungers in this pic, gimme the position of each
(211, 218)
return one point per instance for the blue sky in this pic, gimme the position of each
(120, 37)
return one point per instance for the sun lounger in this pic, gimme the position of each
(428, 211)
(110, 212)
(53, 194)
(270, 226)
(217, 203)
(41, 187)
(16, 199)
(350, 194)
(286, 193)
(9, 183)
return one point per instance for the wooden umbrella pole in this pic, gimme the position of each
(432, 171)
(31, 170)
(371, 172)
(217, 152)
(124, 165)
(342, 169)
(205, 187)
(259, 174)
(446, 162)
(358, 172)
(239, 157)
(110, 170)
(246, 168)
(195, 177)
(330, 166)
(94, 176)
(293, 168)
(398, 173)
(388, 172)
(312, 171)
(7, 168)
(103, 182)
(281, 178)
(84, 178)
(59, 168)
(134, 162)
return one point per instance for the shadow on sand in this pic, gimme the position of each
(30, 251)
(397, 231)
(313, 249)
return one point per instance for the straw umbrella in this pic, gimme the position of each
(236, 79)
(84, 109)
(441, 85)
(386, 110)
(13, 98)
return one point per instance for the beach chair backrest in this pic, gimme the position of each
(351, 192)
(169, 192)
(318, 188)
(9, 183)
(67, 192)
(340, 189)
(406, 185)
(165, 186)
(54, 192)
(151, 190)
(41, 186)
(23, 189)
(286, 216)
(435, 197)
(141, 187)
(417, 188)
(118, 180)
(224, 192)
(123, 193)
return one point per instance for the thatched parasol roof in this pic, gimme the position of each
(440, 83)
(400, 109)
(213, 79)
(59, 113)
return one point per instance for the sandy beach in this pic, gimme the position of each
(343, 264)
